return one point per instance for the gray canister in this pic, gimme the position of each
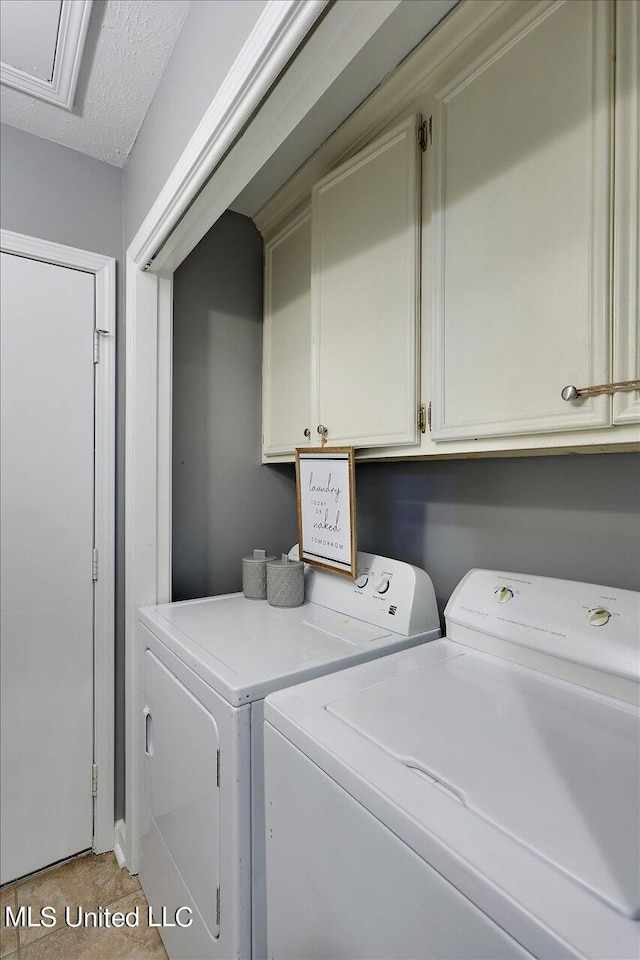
(285, 582)
(254, 575)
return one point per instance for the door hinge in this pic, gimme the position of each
(429, 416)
(94, 779)
(422, 418)
(425, 134)
(218, 906)
(96, 344)
(217, 768)
(94, 564)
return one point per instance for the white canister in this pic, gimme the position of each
(254, 575)
(285, 582)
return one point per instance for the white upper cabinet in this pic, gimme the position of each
(365, 293)
(286, 395)
(515, 275)
(626, 290)
(521, 219)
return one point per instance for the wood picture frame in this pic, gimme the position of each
(326, 500)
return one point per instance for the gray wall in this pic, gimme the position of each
(576, 517)
(225, 502)
(54, 193)
(210, 40)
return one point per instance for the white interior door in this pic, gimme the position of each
(47, 516)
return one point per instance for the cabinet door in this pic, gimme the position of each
(626, 347)
(286, 393)
(521, 210)
(365, 293)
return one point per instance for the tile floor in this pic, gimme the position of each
(89, 881)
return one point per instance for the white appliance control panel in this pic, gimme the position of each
(388, 593)
(582, 623)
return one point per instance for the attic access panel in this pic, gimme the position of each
(41, 47)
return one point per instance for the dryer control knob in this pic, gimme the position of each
(598, 617)
(362, 580)
(383, 585)
(503, 594)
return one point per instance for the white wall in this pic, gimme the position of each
(210, 40)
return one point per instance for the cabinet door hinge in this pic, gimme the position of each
(94, 779)
(218, 768)
(218, 906)
(94, 564)
(422, 418)
(425, 134)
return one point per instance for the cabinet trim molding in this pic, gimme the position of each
(626, 268)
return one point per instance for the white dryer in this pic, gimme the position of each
(477, 797)
(206, 667)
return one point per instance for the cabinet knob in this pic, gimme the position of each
(569, 393)
(307, 432)
(322, 430)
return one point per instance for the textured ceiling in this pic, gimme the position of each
(127, 49)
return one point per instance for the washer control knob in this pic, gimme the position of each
(383, 585)
(362, 580)
(503, 594)
(598, 617)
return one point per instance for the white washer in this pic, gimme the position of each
(475, 797)
(206, 667)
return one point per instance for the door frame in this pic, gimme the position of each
(183, 211)
(104, 272)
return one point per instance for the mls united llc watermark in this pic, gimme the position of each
(101, 917)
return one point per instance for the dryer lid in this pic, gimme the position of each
(245, 649)
(551, 765)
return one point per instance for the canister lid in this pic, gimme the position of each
(258, 556)
(285, 562)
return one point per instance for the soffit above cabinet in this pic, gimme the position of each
(401, 32)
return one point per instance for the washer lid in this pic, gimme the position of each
(551, 765)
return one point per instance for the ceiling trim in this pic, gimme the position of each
(72, 33)
(279, 31)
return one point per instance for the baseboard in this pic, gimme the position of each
(120, 842)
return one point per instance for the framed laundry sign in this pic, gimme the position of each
(325, 482)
